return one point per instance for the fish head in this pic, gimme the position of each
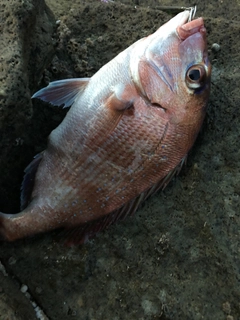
(173, 70)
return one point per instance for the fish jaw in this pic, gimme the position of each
(191, 27)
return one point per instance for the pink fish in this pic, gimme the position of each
(126, 134)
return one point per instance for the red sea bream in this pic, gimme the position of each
(126, 134)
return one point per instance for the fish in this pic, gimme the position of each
(127, 133)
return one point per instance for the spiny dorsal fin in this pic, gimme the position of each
(62, 92)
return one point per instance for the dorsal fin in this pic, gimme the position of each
(62, 92)
(81, 234)
(28, 180)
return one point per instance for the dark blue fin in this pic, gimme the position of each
(62, 92)
(81, 234)
(28, 180)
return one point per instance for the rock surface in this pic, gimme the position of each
(13, 304)
(178, 257)
(26, 48)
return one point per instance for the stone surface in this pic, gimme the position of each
(26, 48)
(178, 257)
(13, 304)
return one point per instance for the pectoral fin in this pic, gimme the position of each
(122, 97)
(62, 92)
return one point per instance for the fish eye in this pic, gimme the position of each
(195, 76)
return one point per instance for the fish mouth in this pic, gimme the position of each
(189, 26)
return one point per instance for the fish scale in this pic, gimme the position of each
(110, 157)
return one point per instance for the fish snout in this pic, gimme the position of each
(190, 28)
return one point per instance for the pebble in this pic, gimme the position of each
(24, 288)
(215, 47)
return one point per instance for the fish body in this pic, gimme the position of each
(126, 134)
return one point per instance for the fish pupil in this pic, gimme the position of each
(194, 74)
